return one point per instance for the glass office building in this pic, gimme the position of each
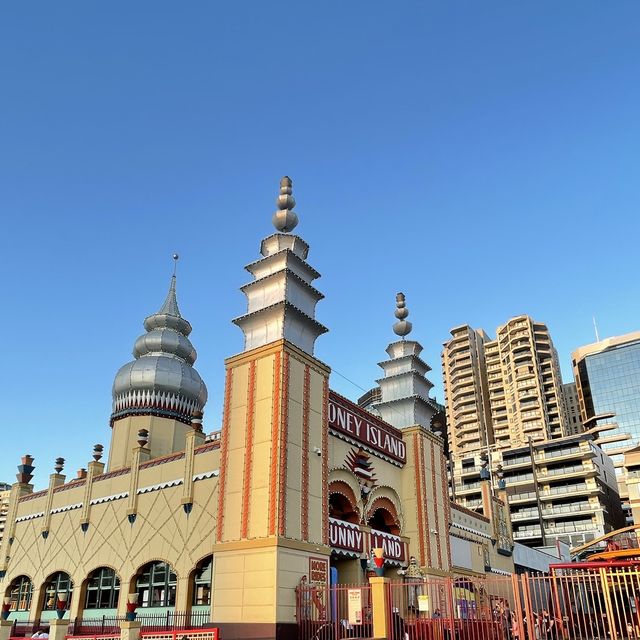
(608, 382)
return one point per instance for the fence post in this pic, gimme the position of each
(58, 629)
(130, 630)
(5, 629)
(380, 606)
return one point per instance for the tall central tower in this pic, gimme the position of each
(273, 504)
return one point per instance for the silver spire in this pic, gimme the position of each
(403, 326)
(161, 380)
(285, 219)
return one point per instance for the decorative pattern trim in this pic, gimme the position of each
(68, 507)
(206, 474)
(112, 474)
(70, 485)
(160, 485)
(419, 499)
(363, 445)
(284, 434)
(224, 453)
(475, 532)
(248, 450)
(427, 527)
(31, 516)
(475, 514)
(325, 461)
(115, 496)
(436, 502)
(275, 435)
(151, 401)
(156, 461)
(33, 496)
(304, 494)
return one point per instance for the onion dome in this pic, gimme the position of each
(161, 381)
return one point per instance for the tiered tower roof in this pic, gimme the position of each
(281, 300)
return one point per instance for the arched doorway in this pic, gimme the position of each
(200, 589)
(19, 592)
(346, 539)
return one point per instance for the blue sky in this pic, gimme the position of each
(482, 157)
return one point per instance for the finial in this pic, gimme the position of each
(176, 257)
(25, 470)
(143, 437)
(97, 452)
(403, 326)
(285, 219)
(59, 465)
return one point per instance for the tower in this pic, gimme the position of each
(406, 405)
(273, 505)
(159, 390)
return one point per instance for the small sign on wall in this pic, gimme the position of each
(423, 603)
(354, 599)
(318, 571)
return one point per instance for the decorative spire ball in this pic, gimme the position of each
(403, 326)
(176, 257)
(285, 219)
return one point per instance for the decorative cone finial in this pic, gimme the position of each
(285, 219)
(403, 326)
(97, 452)
(59, 466)
(25, 470)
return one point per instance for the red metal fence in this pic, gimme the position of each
(323, 613)
(574, 603)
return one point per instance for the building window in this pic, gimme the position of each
(156, 585)
(103, 589)
(19, 592)
(202, 582)
(58, 584)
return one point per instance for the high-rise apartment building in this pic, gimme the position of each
(5, 492)
(571, 406)
(469, 425)
(502, 393)
(607, 377)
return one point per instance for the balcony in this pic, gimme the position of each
(468, 487)
(572, 528)
(511, 463)
(524, 496)
(569, 509)
(527, 534)
(550, 493)
(525, 514)
(567, 472)
(518, 478)
(571, 452)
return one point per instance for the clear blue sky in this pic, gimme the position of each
(482, 157)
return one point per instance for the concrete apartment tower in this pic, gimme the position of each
(273, 502)
(518, 373)
(466, 390)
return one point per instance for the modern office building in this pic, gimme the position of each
(566, 491)
(607, 375)
(501, 393)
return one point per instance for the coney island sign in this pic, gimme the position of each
(351, 423)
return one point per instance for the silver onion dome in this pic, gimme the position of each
(161, 380)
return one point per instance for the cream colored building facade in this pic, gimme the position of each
(299, 482)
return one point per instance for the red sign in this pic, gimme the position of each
(344, 535)
(348, 420)
(392, 546)
(318, 571)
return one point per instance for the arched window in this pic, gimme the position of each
(103, 589)
(340, 508)
(382, 520)
(156, 585)
(56, 585)
(19, 592)
(202, 582)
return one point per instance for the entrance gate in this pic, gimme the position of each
(581, 603)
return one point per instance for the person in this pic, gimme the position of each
(515, 627)
(437, 614)
(398, 629)
(305, 598)
(36, 633)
